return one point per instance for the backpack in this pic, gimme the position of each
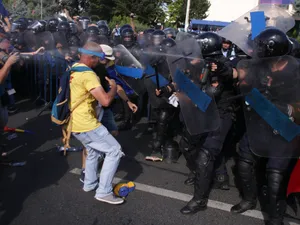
(61, 114)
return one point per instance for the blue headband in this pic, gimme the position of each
(89, 52)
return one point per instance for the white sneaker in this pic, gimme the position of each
(110, 199)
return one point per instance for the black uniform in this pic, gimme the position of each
(207, 147)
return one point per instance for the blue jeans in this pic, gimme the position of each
(98, 142)
(108, 120)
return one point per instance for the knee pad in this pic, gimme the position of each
(204, 158)
(245, 165)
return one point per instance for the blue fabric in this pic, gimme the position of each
(161, 79)
(113, 75)
(88, 52)
(198, 97)
(3, 11)
(130, 72)
(273, 116)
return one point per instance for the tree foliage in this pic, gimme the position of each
(122, 20)
(198, 10)
(147, 11)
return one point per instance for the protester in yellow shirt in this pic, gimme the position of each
(91, 133)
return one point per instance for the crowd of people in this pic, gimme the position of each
(192, 85)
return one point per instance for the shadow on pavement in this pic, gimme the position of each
(45, 167)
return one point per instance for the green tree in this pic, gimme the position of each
(177, 10)
(17, 8)
(122, 20)
(147, 11)
(103, 9)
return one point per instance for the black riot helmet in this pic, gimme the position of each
(44, 25)
(126, 26)
(211, 44)
(295, 51)
(36, 27)
(157, 37)
(271, 43)
(18, 25)
(167, 43)
(24, 20)
(53, 25)
(73, 27)
(148, 34)
(103, 30)
(17, 40)
(62, 19)
(171, 151)
(102, 22)
(170, 32)
(92, 30)
(127, 36)
(84, 21)
(74, 41)
(30, 21)
(64, 27)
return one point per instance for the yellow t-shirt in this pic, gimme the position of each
(84, 116)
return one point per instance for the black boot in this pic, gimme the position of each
(191, 179)
(221, 181)
(248, 183)
(277, 184)
(203, 179)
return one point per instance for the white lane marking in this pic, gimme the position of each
(15, 149)
(185, 197)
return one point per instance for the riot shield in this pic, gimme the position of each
(198, 108)
(30, 39)
(239, 31)
(129, 68)
(46, 40)
(181, 36)
(271, 89)
(60, 38)
(157, 74)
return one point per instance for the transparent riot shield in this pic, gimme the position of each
(271, 89)
(157, 73)
(239, 31)
(130, 69)
(181, 36)
(198, 108)
(46, 40)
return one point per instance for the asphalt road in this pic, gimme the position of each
(47, 190)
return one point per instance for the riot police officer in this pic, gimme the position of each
(162, 147)
(208, 146)
(269, 43)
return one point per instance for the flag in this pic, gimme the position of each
(3, 11)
